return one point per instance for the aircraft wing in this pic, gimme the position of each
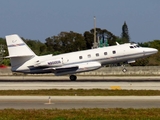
(75, 68)
(65, 69)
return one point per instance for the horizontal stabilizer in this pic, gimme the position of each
(14, 56)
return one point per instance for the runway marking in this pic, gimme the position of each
(115, 87)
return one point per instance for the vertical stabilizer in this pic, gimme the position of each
(19, 52)
(17, 47)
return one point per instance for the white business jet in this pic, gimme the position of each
(24, 60)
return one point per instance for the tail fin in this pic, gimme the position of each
(19, 52)
(17, 47)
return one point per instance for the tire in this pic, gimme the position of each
(73, 77)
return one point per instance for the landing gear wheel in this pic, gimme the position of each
(73, 77)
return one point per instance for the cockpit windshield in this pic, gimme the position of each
(133, 45)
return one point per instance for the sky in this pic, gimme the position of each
(40, 19)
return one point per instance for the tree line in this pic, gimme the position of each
(71, 41)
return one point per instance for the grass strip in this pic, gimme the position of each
(81, 114)
(81, 92)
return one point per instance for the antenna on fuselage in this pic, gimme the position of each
(117, 43)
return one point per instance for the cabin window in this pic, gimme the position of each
(131, 47)
(89, 55)
(97, 54)
(114, 52)
(105, 53)
(80, 57)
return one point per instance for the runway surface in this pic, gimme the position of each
(70, 102)
(47, 82)
(80, 85)
(79, 78)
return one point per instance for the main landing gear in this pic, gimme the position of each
(73, 77)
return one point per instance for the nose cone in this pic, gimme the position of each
(150, 51)
(155, 50)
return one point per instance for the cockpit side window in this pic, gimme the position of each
(131, 47)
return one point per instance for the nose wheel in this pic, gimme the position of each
(73, 77)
